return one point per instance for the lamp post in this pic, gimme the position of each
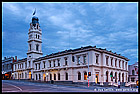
(88, 69)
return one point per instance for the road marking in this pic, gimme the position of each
(15, 86)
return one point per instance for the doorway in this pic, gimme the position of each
(97, 78)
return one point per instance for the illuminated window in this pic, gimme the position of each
(85, 75)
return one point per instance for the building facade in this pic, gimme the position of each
(133, 72)
(69, 65)
(7, 67)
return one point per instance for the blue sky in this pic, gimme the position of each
(113, 26)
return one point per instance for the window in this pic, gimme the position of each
(132, 79)
(36, 76)
(25, 64)
(107, 60)
(50, 76)
(3, 67)
(97, 59)
(15, 67)
(22, 75)
(58, 76)
(115, 62)
(29, 64)
(53, 63)
(30, 36)
(39, 66)
(66, 76)
(36, 66)
(22, 65)
(78, 59)
(25, 75)
(66, 61)
(50, 63)
(7, 66)
(111, 61)
(37, 47)
(126, 65)
(58, 62)
(123, 64)
(133, 72)
(119, 63)
(85, 75)
(39, 77)
(38, 36)
(37, 26)
(30, 46)
(54, 76)
(84, 59)
(44, 63)
(79, 76)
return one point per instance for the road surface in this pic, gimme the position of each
(26, 86)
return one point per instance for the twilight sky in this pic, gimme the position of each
(113, 26)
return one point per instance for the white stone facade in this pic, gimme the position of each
(133, 72)
(61, 66)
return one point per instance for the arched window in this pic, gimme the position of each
(66, 76)
(39, 77)
(106, 76)
(58, 76)
(36, 77)
(85, 75)
(115, 76)
(22, 75)
(38, 36)
(37, 47)
(79, 76)
(50, 76)
(119, 76)
(122, 77)
(54, 76)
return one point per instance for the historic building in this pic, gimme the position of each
(7, 67)
(133, 72)
(69, 65)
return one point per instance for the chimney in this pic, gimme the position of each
(16, 58)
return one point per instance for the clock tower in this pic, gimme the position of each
(34, 44)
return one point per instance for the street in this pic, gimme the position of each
(26, 86)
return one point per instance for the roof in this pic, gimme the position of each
(70, 51)
(21, 60)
